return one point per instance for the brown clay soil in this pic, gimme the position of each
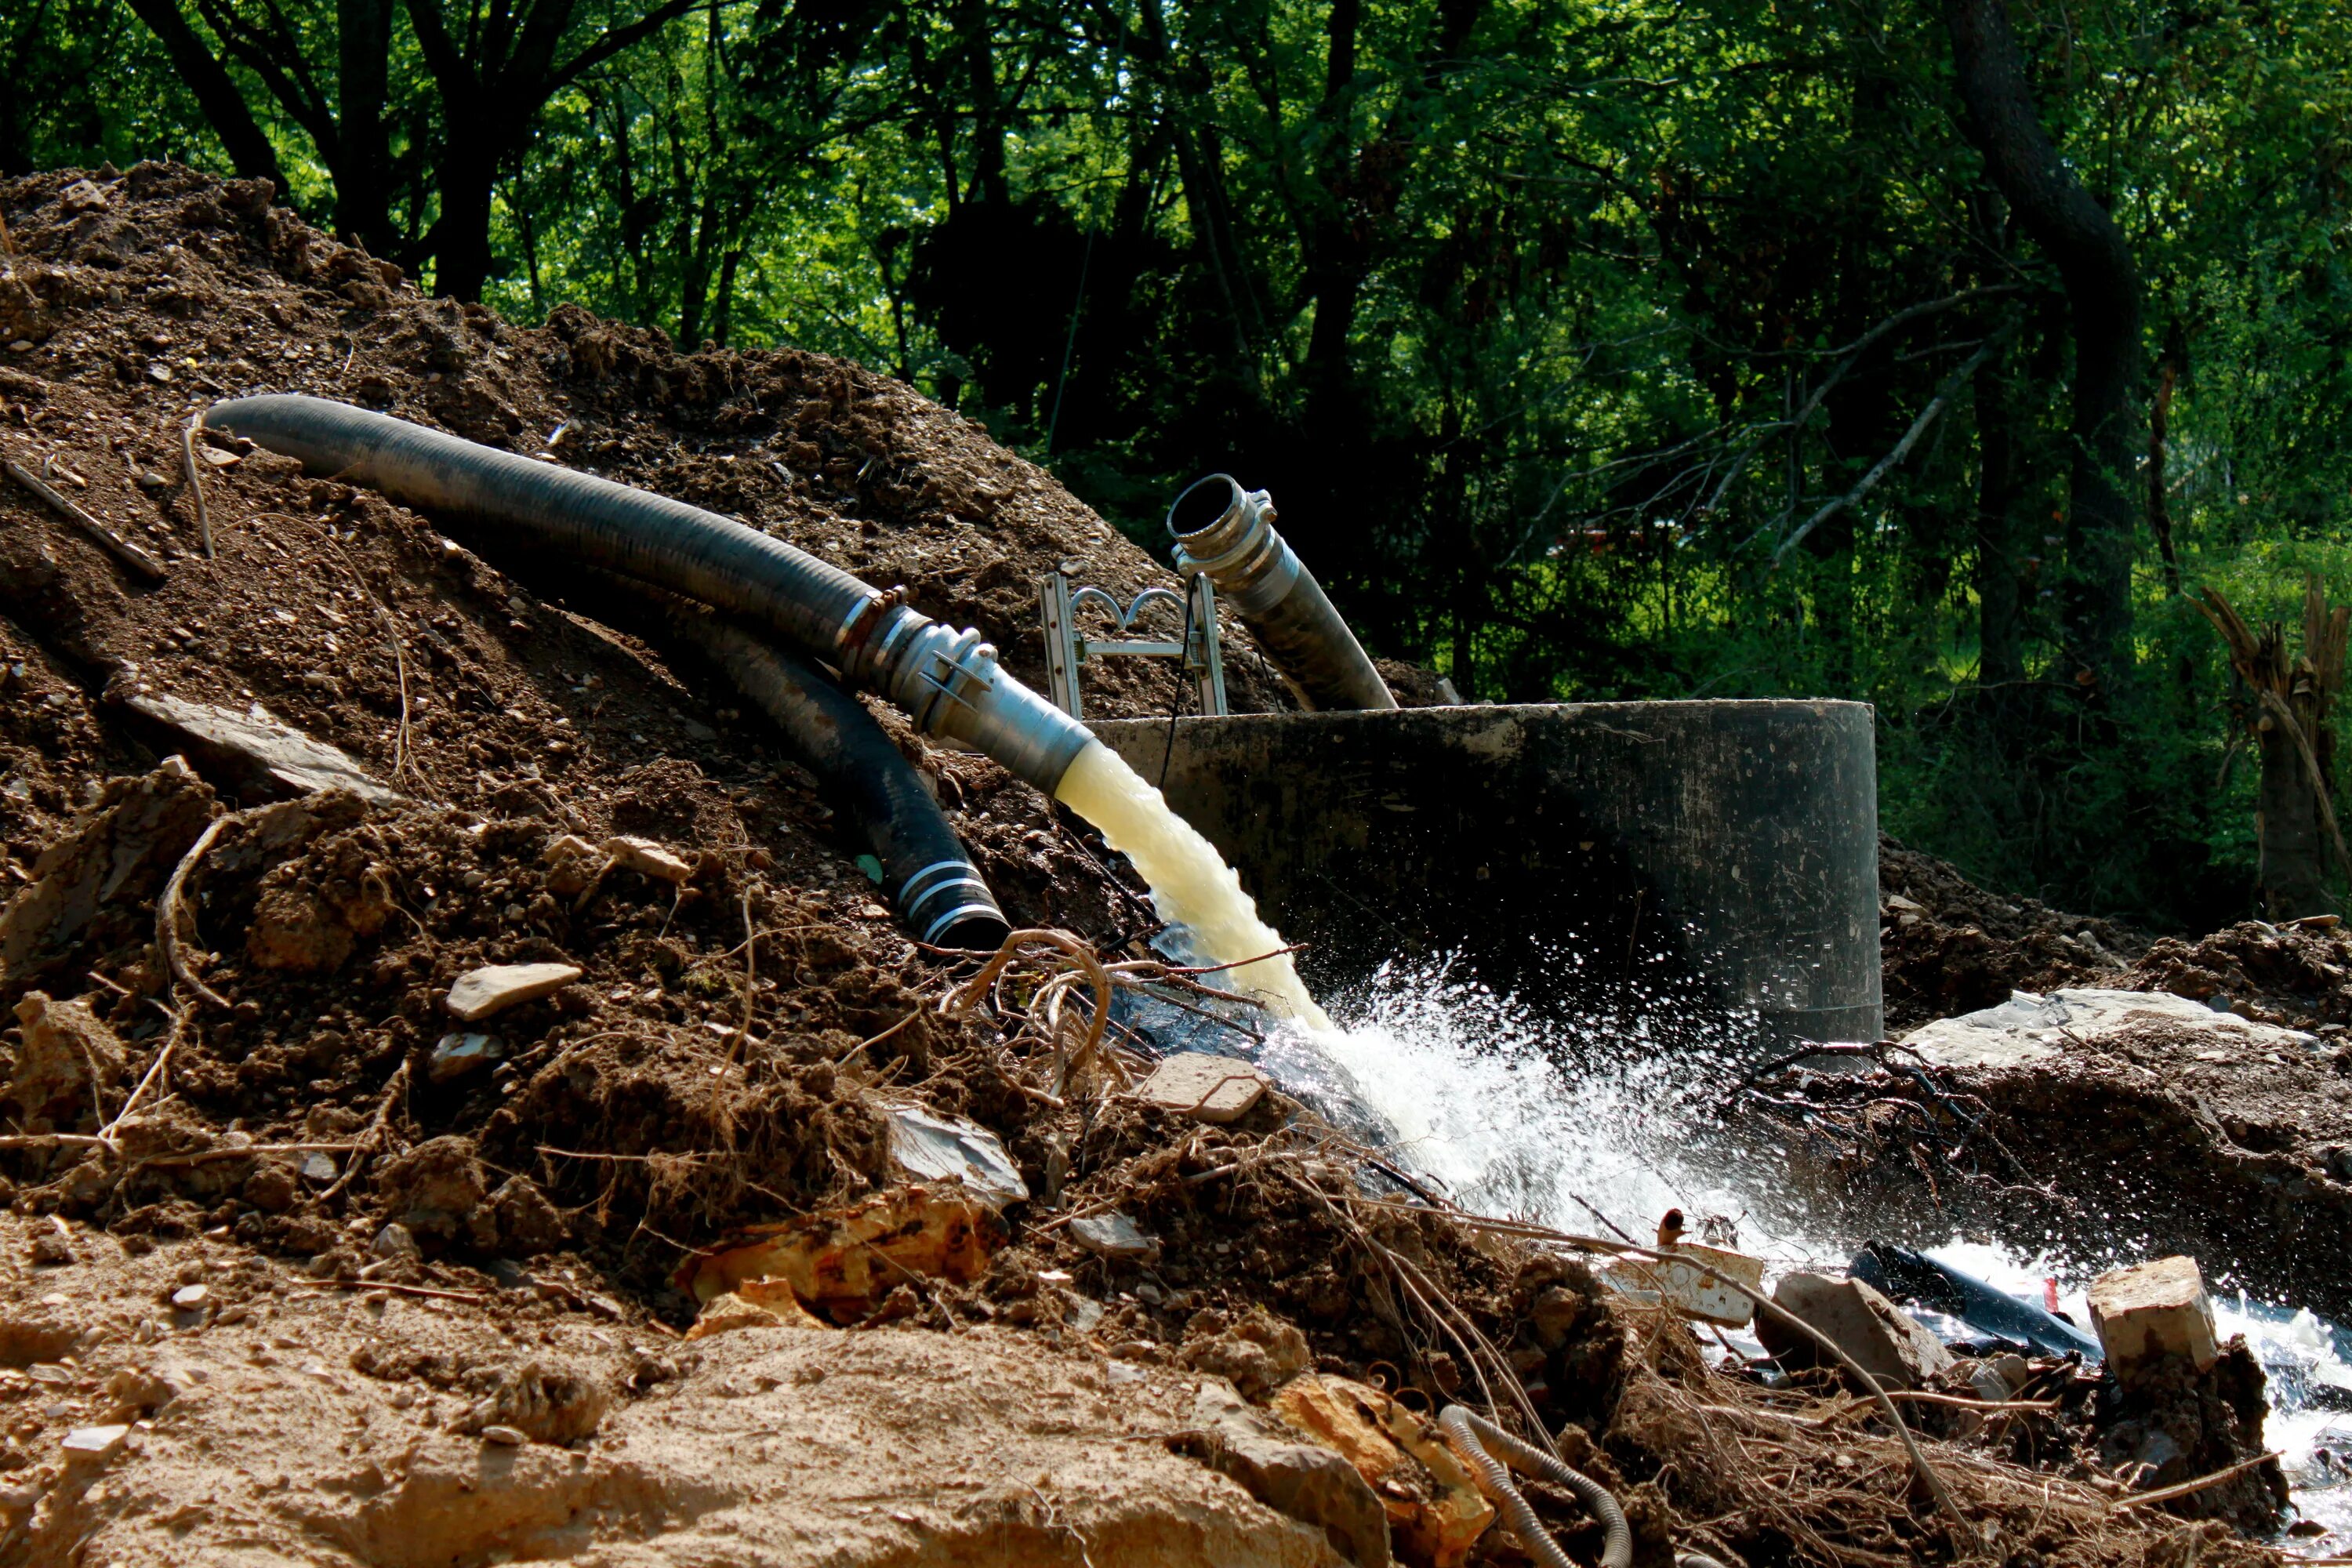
(353, 1312)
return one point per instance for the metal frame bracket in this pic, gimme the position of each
(1195, 645)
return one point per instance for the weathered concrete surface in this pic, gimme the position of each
(1735, 842)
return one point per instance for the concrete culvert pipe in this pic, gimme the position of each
(1228, 532)
(947, 680)
(939, 892)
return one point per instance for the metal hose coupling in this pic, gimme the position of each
(950, 683)
(1228, 532)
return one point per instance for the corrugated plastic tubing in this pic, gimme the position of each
(1487, 1448)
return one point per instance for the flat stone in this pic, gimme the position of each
(2029, 1028)
(492, 988)
(929, 1148)
(319, 1167)
(2154, 1312)
(259, 752)
(1113, 1235)
(1212, 1089)
(188, 1298)
(95, 1442)
(1690, 1292)
(1886, 1342)
(505, 1437)
(645, 855)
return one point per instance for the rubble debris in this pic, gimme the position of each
(111, 865)
(1114, 1234)
(2151, 1312)
(928, 1148)
(1689, 1291)
(69, 1061)
(1257, 1351)
(1435, 1512)
(543, 1399)
(1885, 1341)
(456, 1055)
(494, 988)
(842, 1263)
(1212, 1089)
(753, 1304)
(1310, 1482)
(635, 854)
(2027, 1028)
(94, 1442)
(257, 756)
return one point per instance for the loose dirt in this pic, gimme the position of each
(368, 1286)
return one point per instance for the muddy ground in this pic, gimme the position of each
(354, 1307)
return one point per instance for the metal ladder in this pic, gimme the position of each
(1065, 650)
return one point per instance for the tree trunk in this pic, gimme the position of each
(2000, 643)
(363, 78)
(225, 109)
(2286, 830)
(2103, 298)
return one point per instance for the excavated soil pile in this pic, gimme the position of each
(301, 1266)
(1946, 946)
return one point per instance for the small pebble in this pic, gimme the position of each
(505, 1437)
(188, 1298)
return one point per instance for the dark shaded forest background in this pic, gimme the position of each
(1933, 354)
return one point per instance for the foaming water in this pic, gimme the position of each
(1191, 884)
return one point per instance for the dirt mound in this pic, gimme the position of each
(1946, 946)
(2298, 974)
(270, 1180)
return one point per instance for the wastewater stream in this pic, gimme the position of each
(1476, 1092)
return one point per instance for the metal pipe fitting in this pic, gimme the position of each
(947, 680)
(1228, 532)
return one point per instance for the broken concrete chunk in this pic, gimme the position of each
(1309, 1482)
(2029, 1028)
(479, 993)
(754, 1304)
(455, 1056)
(645, 855)
(94, 1442)
(1113, 1235)
(845, 1261)
(928, 1148)
(1433, 1507)
(256, 755)
(2151, 1313)
(1881, 1338)
(69, 1060)
(1690, 1292)
(1212, 1089)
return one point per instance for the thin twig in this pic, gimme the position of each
(2166, 1494)
(113, 543)
(195, 484)
(168, 910)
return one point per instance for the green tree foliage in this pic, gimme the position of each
(1918, 352)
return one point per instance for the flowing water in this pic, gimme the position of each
(1191, 884)
(1580, 1120)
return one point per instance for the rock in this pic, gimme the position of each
(1257, 1353)
(439, 1192)
(479, 993)
(547, 1399)
(643, 855)
(1886, 1341)
(1435, 1510)
(2029, 1028)
(754, 1304)
(928, 1148)
(254, 754)
(82, 196)
(69, 1060)
(505, 1437)
(393, 1241)
(94, 1442)
(455, 1056)
(51, 1250)
(191, 1298)
(319, 1168)
(2152, 1312)
(1113, 1235)
(272, 1188)
(143, 1389)
(843, 1261)
(1307, 1482)
(526, 1220)
(111, 866)
(1212, 1089)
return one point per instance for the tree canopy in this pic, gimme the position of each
(1927, 354)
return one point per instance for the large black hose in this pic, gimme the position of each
(948, 681)
(937, 890)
